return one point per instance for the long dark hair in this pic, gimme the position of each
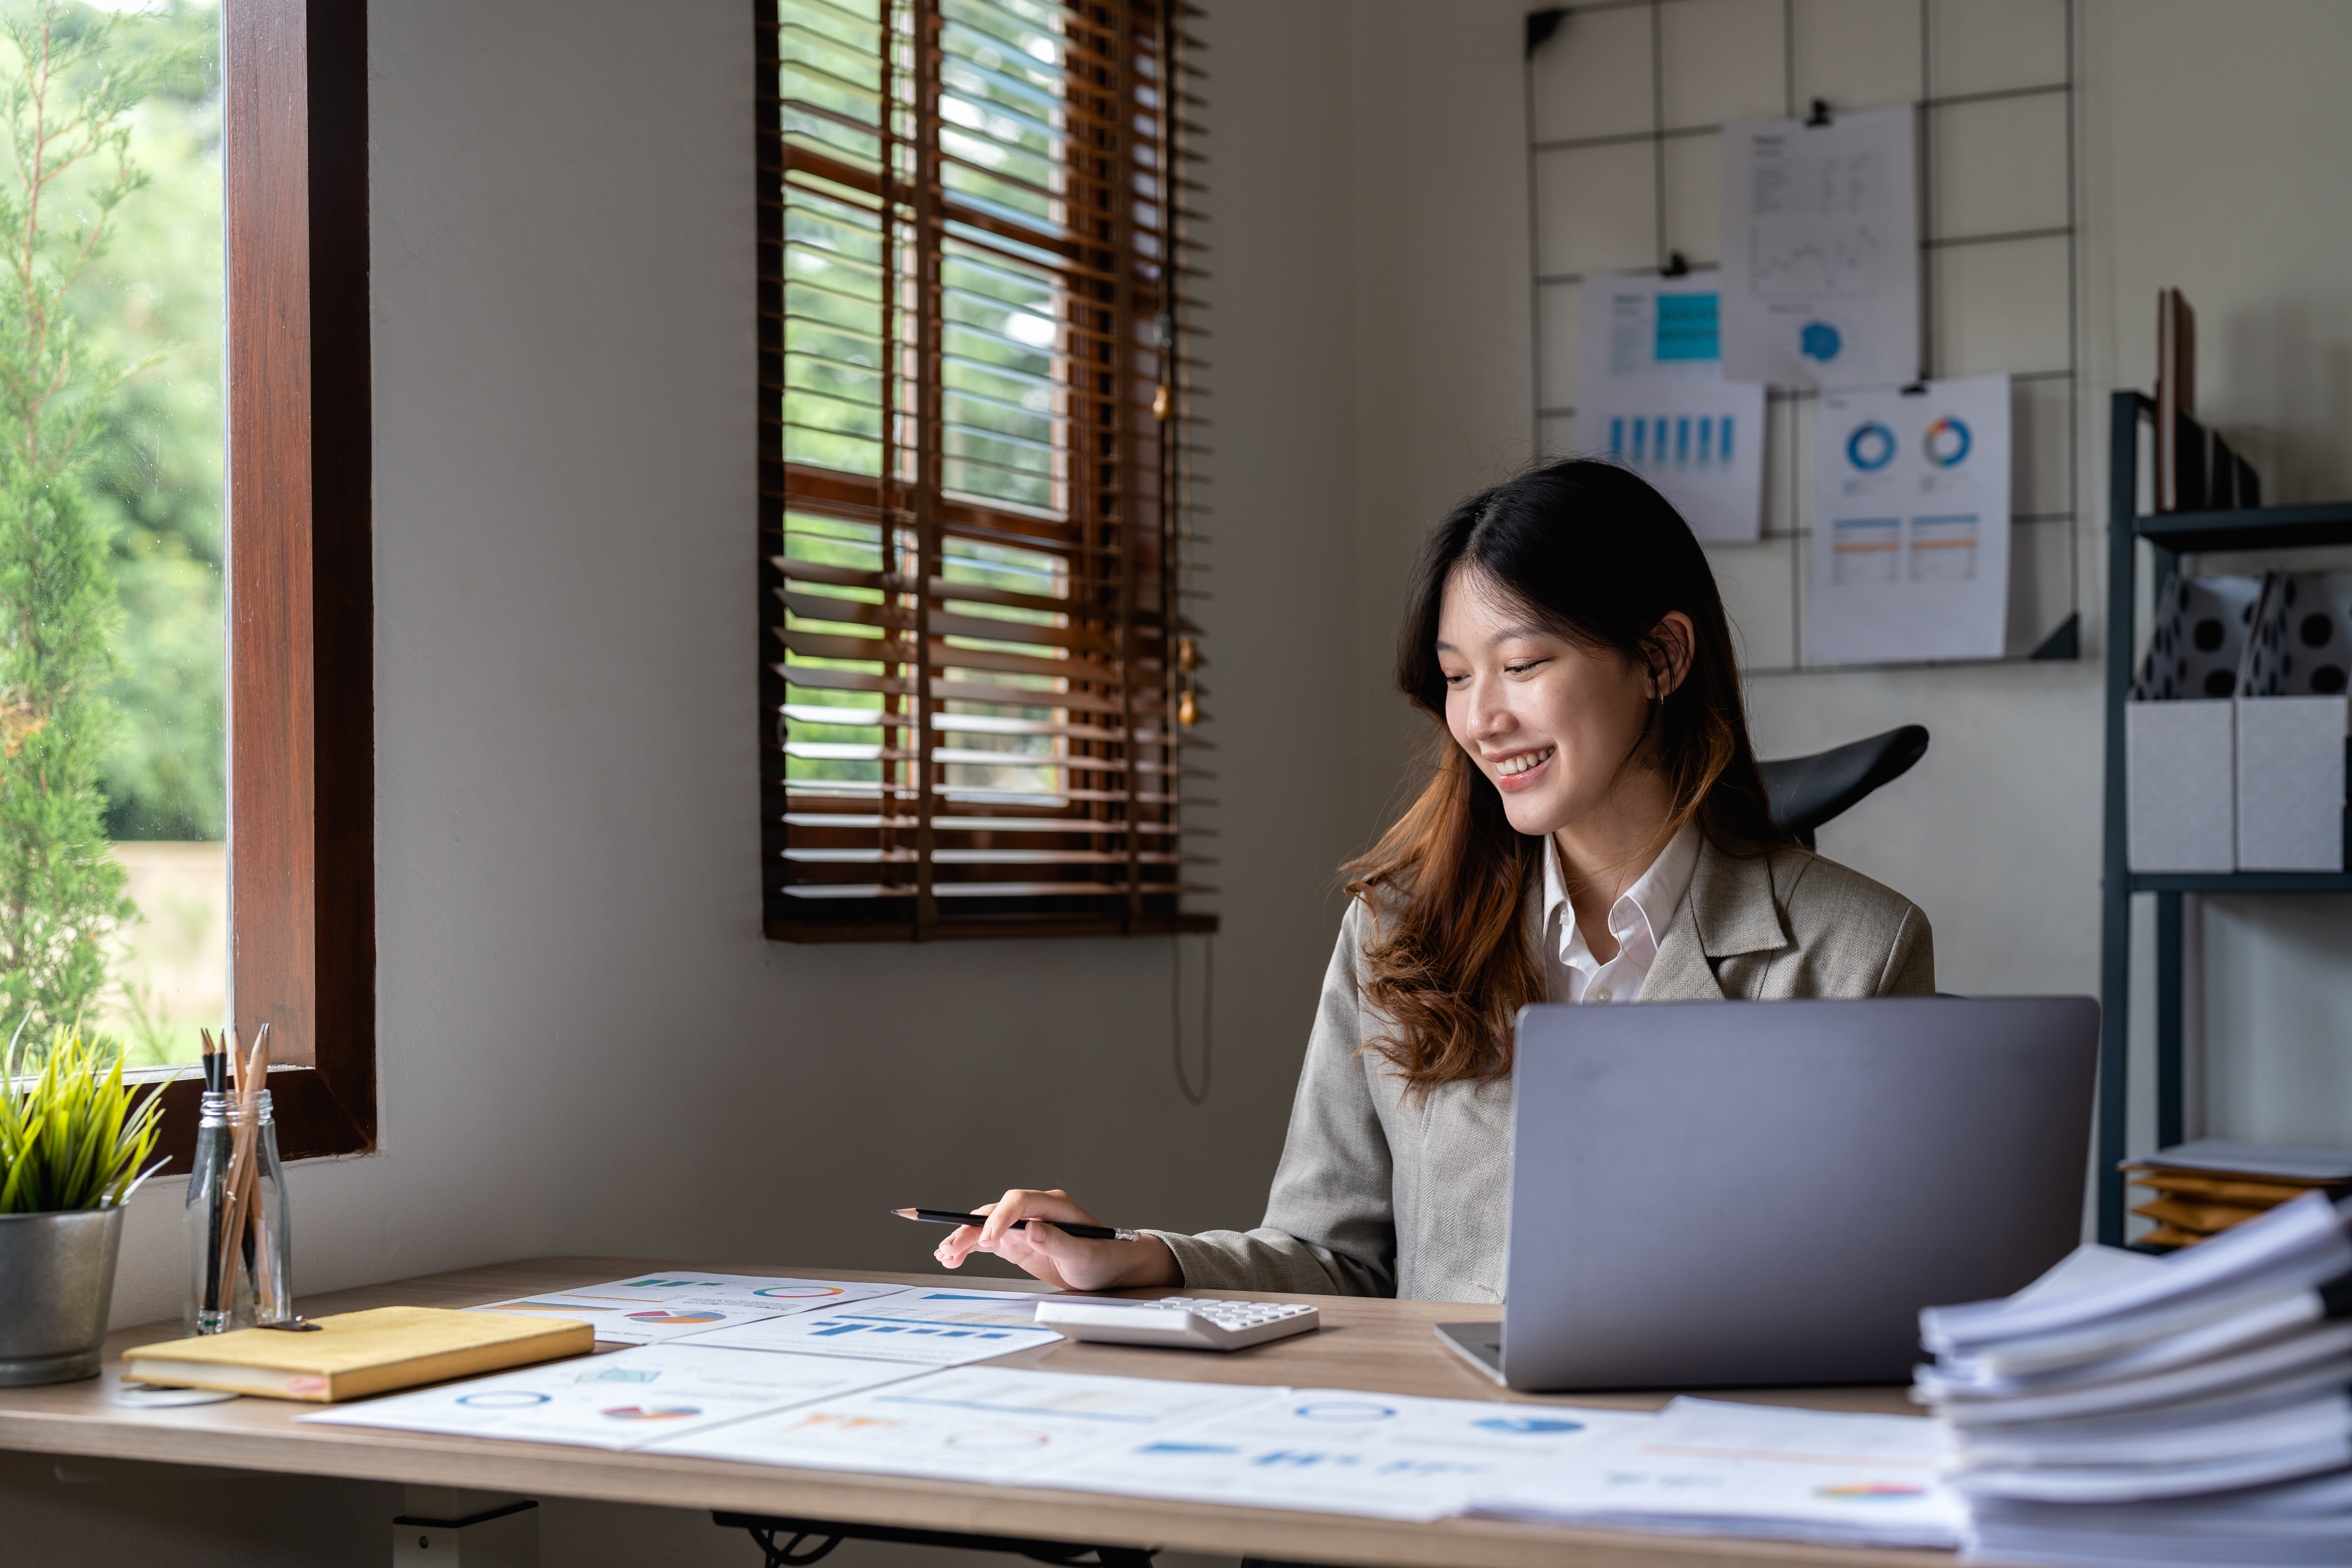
(1598, 557)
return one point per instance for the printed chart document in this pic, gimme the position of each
(1821, 252)
(1650, 395)
(1713, 1468)
(1910, 536)
(646, 1308)
(918, 1328)
(1336, 1451)
(984, 1423)
(626, 1399)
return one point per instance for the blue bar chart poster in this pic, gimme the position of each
(1910, 528)
(1651, 396)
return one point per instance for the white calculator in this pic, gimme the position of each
(1181, 1323)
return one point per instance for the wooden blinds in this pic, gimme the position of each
(978, 684)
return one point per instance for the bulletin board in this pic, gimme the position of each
(1625, 104)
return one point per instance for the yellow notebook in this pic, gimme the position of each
(354, 1354)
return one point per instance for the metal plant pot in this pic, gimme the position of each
(57, 1280)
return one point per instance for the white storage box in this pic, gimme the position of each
(2292, 717)
(2291, 783)
(2181, 788)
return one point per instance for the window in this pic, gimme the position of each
(184, 542)
(980, 686)
(300, 640)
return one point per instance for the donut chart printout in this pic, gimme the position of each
(626, 1399)
(646, 1308)
(1910, 546)
(979, 1424)
(1821, 252)
(1709, 1467)
(1330, 1450)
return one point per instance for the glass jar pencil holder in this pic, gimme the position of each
(239, 1240)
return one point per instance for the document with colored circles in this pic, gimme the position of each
(1712, 1466)
(1333, 1451)
(646, 1308)
(1910, 542)
(973, 1424)
(626, 1399)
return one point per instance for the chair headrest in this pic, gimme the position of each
(1806, 792)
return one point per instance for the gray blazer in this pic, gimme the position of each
(1382, 1194)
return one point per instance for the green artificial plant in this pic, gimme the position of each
(76, 1137)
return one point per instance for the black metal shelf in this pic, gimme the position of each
(2169, 536)
(2254, 528)
(2240, 882)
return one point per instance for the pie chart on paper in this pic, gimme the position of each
(669, 1319)
(798, 1292)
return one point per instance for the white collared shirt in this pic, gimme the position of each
(1638, 921)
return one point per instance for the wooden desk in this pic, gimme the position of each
(1385, 1346)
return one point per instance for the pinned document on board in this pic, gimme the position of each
(1821, 252)
(1910, 536)
(1651, 396)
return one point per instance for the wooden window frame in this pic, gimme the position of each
(300, 588)
(1125, 533)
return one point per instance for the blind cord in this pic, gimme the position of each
(1208, 1013)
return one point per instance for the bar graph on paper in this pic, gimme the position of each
(1881, 550)
(1677, 443)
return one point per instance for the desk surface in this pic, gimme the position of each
(1385, 1346)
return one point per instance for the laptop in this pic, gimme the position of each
(1718, 1194)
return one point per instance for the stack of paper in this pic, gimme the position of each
(1705, 1467)
(2126, 1409)
(2212, 1185)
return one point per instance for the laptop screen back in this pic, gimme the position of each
(1720, 1194)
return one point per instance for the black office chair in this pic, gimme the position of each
(1806, 792)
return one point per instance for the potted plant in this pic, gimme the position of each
(74, 1146)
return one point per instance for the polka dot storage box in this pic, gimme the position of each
(2292, 715)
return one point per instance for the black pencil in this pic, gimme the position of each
(945, 1217)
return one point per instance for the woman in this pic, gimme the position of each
(1595, 830)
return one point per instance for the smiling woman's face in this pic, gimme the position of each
(1550, 723)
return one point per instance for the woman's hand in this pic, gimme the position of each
(1052, 1253)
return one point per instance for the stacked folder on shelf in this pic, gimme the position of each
(2212, 1185)
(2189, 1409)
